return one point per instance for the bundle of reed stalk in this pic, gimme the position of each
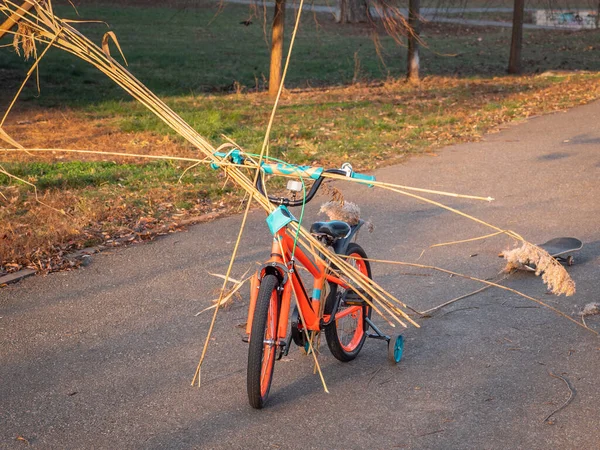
(43, 26)
(39, 25)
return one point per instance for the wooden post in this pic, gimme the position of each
(514, 61)
(412, 63)
(14, 18)
(276, 48)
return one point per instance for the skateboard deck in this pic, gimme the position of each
(559, 248)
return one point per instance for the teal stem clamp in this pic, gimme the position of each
(235, 156)
(279, 219)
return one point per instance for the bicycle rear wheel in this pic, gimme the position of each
(263, 341)
(346, 335)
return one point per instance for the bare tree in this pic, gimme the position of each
(387, 13)
(353, 11)
(514, 61)
(276, 48)
(412, 63)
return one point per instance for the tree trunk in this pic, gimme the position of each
(353, 11)
(276, 48)
(412, 64)
(514, 62)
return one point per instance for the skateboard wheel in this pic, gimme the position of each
(570, 260)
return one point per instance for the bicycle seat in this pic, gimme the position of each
(335, 229)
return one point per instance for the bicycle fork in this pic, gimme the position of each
(273, 266)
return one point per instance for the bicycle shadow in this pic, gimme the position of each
(335, 374)
(290, 391)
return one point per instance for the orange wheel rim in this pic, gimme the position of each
(269, 346)
(350, 328)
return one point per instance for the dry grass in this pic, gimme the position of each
(341, 210)
(553, 273)
(591, 309)
(65, 128)
(40, 237)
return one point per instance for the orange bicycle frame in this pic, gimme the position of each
(285, 267)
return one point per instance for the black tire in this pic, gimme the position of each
(395, 348)
(334, 332)
(264, 327)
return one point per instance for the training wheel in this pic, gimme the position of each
(395, 348)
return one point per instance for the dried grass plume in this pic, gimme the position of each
(591, 309)
(340, 210)
(24, 39)
(553, 273)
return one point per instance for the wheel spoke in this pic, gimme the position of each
(269, 346)
(346, 334)
(349, 325)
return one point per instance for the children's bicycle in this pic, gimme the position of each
(335, 307)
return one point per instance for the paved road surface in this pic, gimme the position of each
(102, 357)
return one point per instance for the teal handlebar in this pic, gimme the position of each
(292, 169)
(286, 169)
(361, 176)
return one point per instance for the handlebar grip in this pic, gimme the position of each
(292, 169)
(360, 176)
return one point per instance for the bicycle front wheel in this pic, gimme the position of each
(347, 333)
(263, 341)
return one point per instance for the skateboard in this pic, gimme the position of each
(559, 248)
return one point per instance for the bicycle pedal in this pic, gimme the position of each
(353, 298)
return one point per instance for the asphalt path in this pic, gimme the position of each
(102, 357)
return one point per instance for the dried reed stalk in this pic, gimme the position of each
(14, 18)
(41, 25)
(225, 298)
(348, 212)
(489, 283)
(385, 185)
(553, 273)
(305, 328)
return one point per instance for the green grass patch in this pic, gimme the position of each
(79, 174)
(139, 179)
(182, 52)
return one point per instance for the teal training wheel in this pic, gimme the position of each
(395, 348)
